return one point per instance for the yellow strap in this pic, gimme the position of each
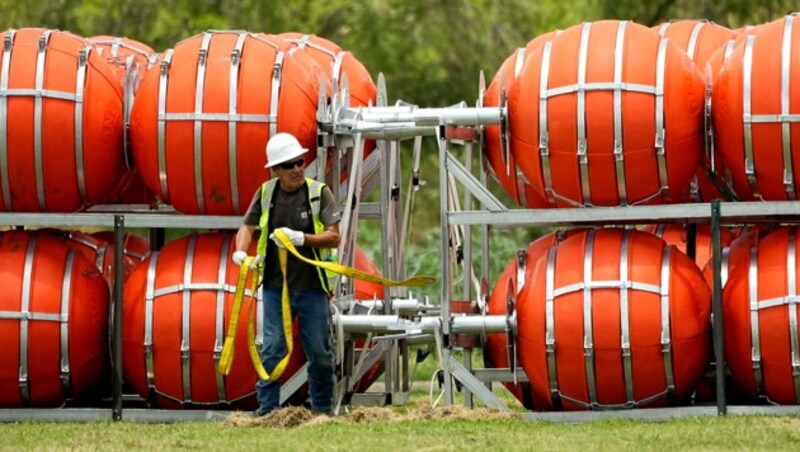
(414, 281)
(226, 359)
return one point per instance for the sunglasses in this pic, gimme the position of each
(292, 164)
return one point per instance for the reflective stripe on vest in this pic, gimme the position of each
(314, 201)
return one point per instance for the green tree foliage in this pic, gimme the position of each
(729, 13)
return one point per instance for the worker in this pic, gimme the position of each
(306, 211)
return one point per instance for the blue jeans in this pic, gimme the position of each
(312, 310)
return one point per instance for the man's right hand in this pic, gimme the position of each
(238, 257)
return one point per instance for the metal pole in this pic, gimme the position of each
(716, 309)
(444, 193)
(119, 231)
(390, 362)
(467, 266)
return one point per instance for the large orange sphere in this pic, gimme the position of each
(182, 296)
(201, 122)
(613, 318)
(760, 313)
(678, 235)
(607, 114)
(54, 332)
(61, 115)
(753, 105)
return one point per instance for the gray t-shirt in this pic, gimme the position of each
(292, 210)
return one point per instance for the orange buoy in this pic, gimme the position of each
(335, 63)
(129, 60)
(176, 307)
(713, 179)
(613, 318)
(678, 235)
(365, 290)
(700, 39)
(760, 313)
(124, 55)
(134, 246)
(754, 112)
(201, 122)
(501, 162)
(495, 354)
(121, 53)
(605, 114)
(95, 250)
(61, 122)
(54, 323)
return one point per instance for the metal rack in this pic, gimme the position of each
(400, 320)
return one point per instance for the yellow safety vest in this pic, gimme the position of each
(314, 201)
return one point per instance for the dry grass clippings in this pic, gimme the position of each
(295, 417)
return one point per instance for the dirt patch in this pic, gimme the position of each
(362, 414)
(458, 412)
(289, 417)
(790, 422)
(294, 417)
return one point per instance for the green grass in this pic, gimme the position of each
(733, 432)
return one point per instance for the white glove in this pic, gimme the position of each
(238, 257)
(298, 238)
(256, 261)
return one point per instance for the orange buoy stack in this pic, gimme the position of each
(760, 307)
(201, 122)
(607, 114)
(613, 318)
(755, 112)
(60, 123)
(54, 318)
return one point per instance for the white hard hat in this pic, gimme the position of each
(283, 147)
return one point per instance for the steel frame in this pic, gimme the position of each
(403, 319)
